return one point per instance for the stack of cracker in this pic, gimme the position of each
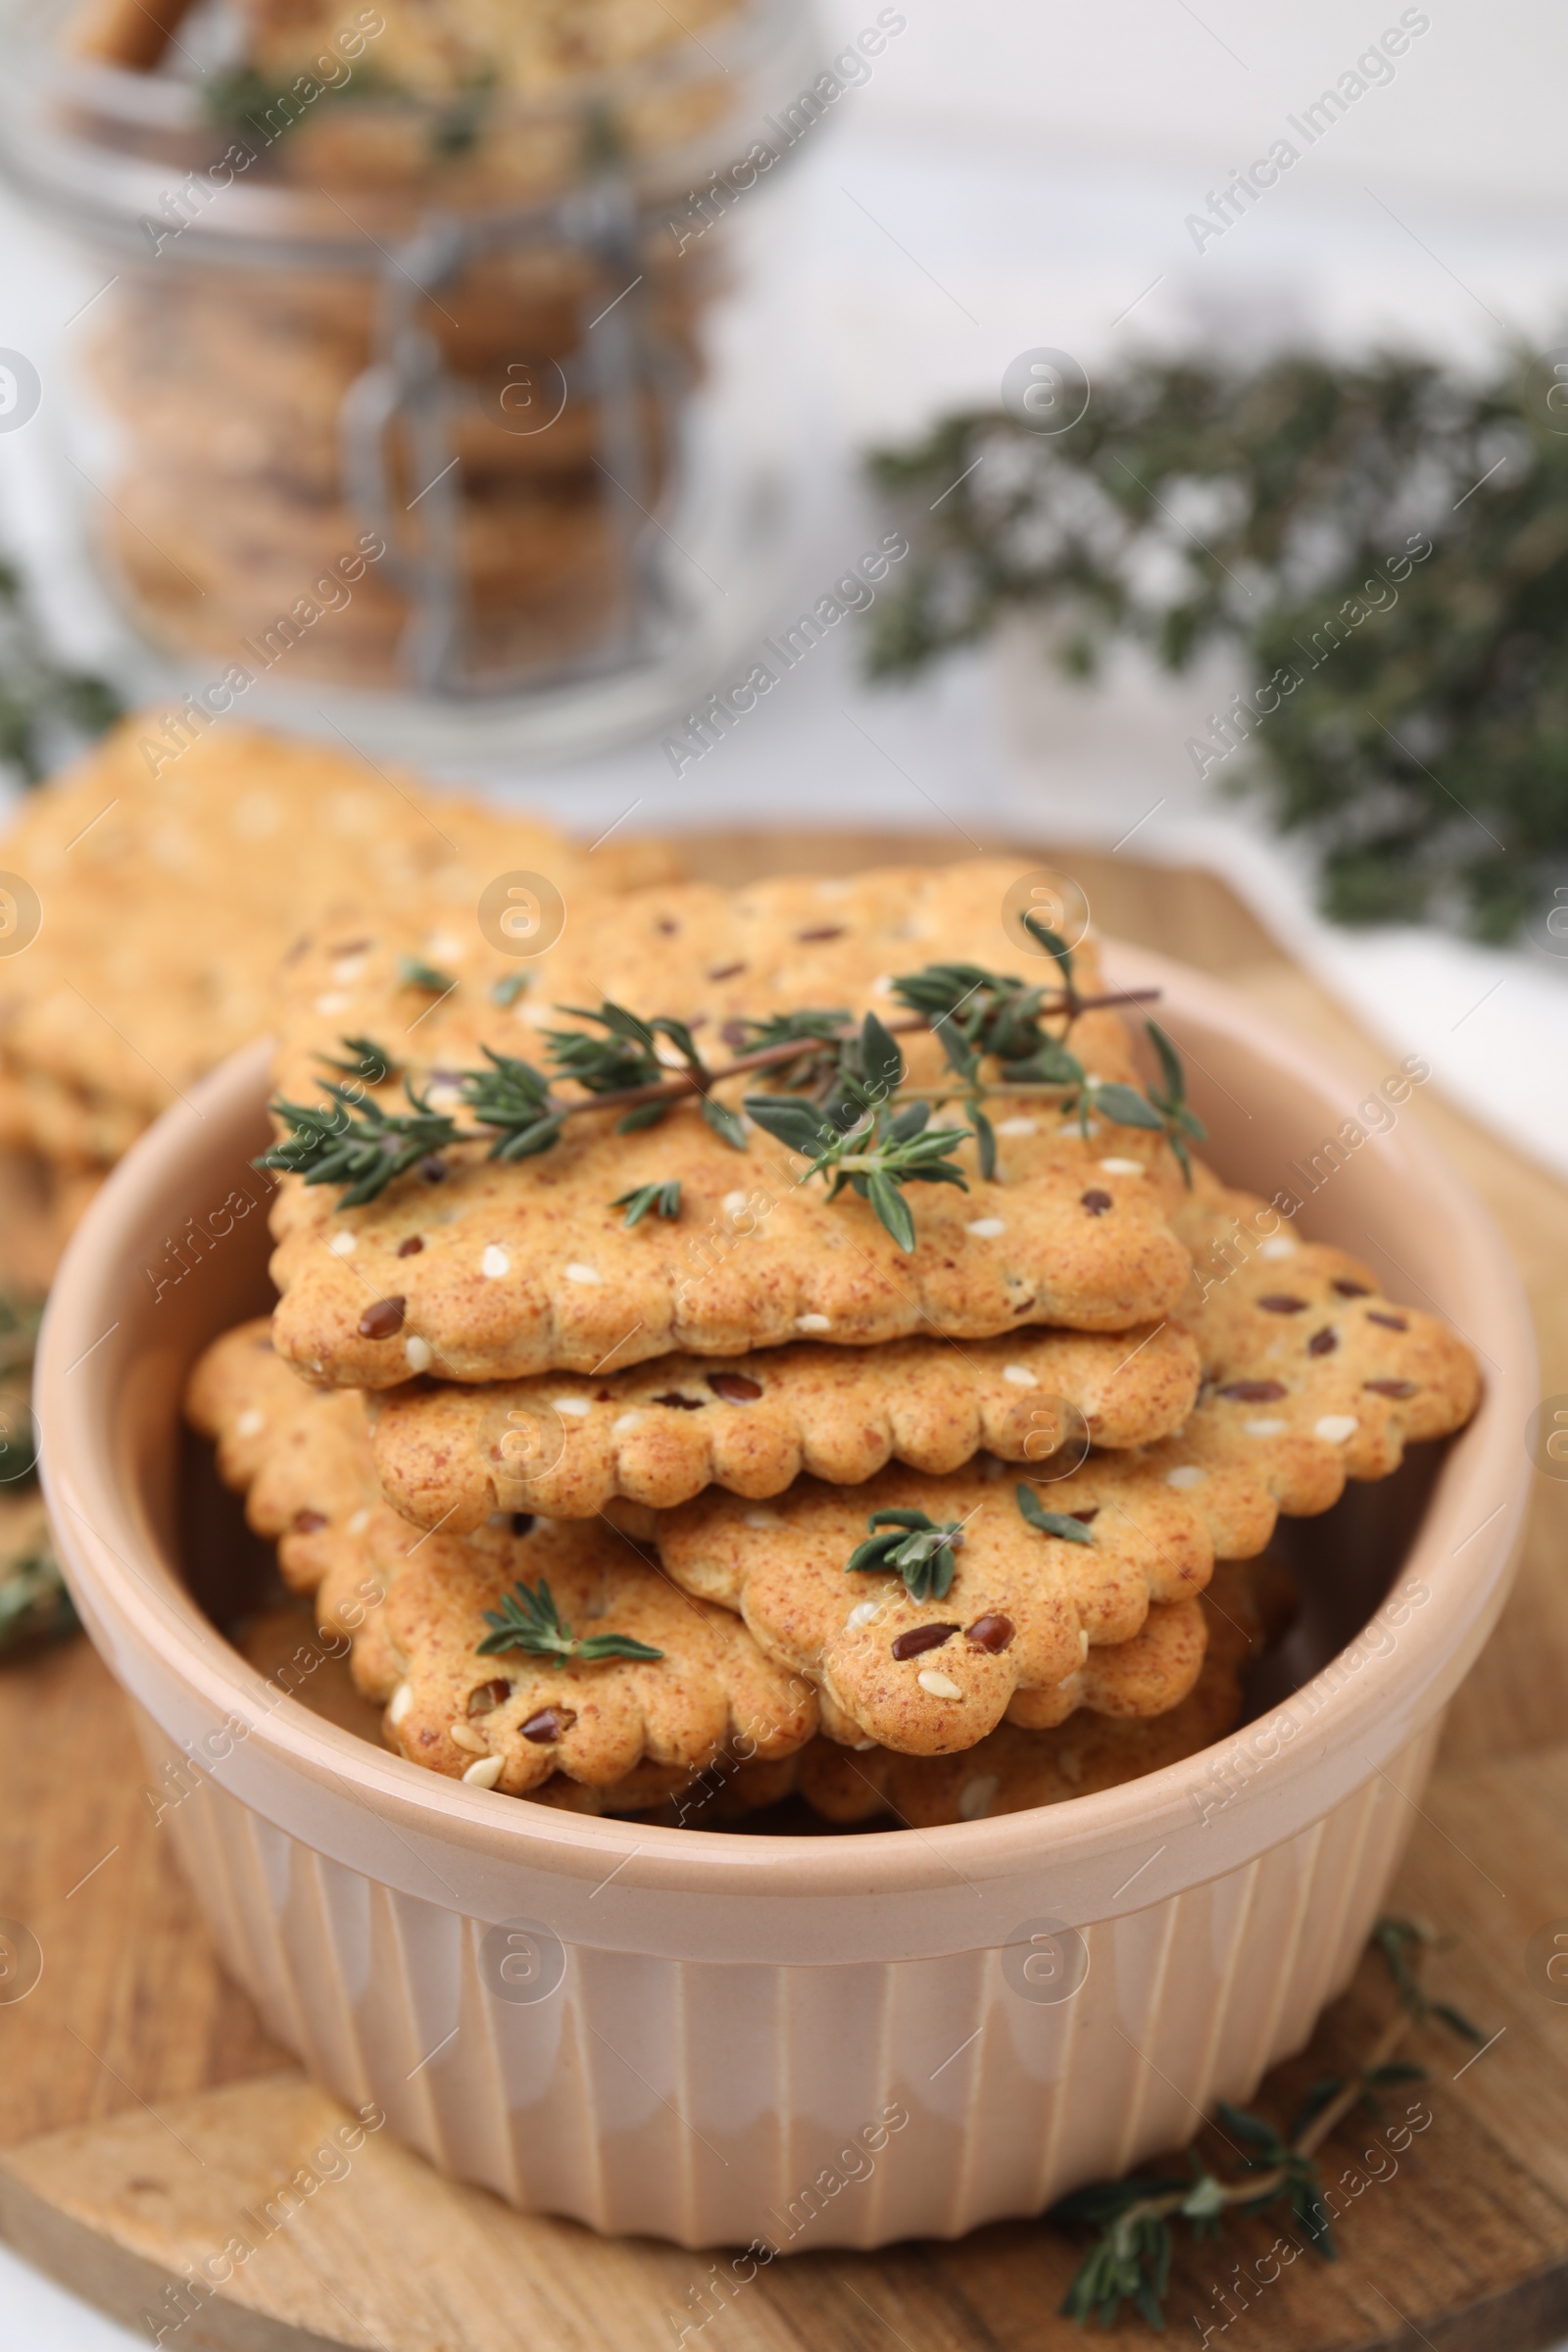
(642, 1472)
(153, 889)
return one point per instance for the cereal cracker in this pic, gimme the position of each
(1010, 1769)
(416, 1607)
(448, 1456)
(171, 881)
(500, 1271)
(1031, 1627)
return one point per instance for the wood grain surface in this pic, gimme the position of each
(143, 2110)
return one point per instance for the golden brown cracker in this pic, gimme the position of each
(1028, 1629)
(1310, 1372)
(449, 1455)
(170, 880)
(502, 1271)
(308, 1482)
(414, 1607)
(1011, 1770)
(132, 33)
(710, 1687)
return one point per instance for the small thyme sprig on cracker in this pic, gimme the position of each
(1052, 1523)
(414, 972)
(912, 1544)
(857, 1140)
(860, 1126)
(528, 1619)
(650, 1200)
(1130, 2259)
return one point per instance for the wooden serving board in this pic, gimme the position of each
(143, 2112)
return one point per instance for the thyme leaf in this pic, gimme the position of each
(414, 972)
(909, 1543)
(372, 1064)
(528, 1619)
(356, 1143)
(513, 1099)
(1052, 1523)
(1129, 2258)
(649, 1200)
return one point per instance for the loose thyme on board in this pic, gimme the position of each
(1131, 2257)
(851, 1113)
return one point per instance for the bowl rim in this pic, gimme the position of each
(137, 1610)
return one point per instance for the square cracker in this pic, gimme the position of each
(1310, 1376)
(168, 899)
(502, 1271)
(1246, 1605)
(1033, 1625)
(303, 1460)
(415, 1608)
(449, 1455)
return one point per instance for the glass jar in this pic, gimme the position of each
(446, 396)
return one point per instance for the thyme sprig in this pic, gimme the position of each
(1130, 2259)
(414, 972)
(513, 1099)
(650, 1200)
(1052, 1523)
(912, 1544)
(860, 1125)
(20, 1320)
(34, 1604)
(857, 1139)
(528, 1619)
(355, 1142)
(1376, 548)
(47, 709)
(979, 1016)
(1180, 1120)
(372, 1064)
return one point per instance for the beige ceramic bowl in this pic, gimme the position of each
(810, 2040)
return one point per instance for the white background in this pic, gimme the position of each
(1018, 173)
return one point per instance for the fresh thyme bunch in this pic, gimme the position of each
(1130, 2259)
(41, 699)
(860, 1126)
(1385, 546)
(34, 1604)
